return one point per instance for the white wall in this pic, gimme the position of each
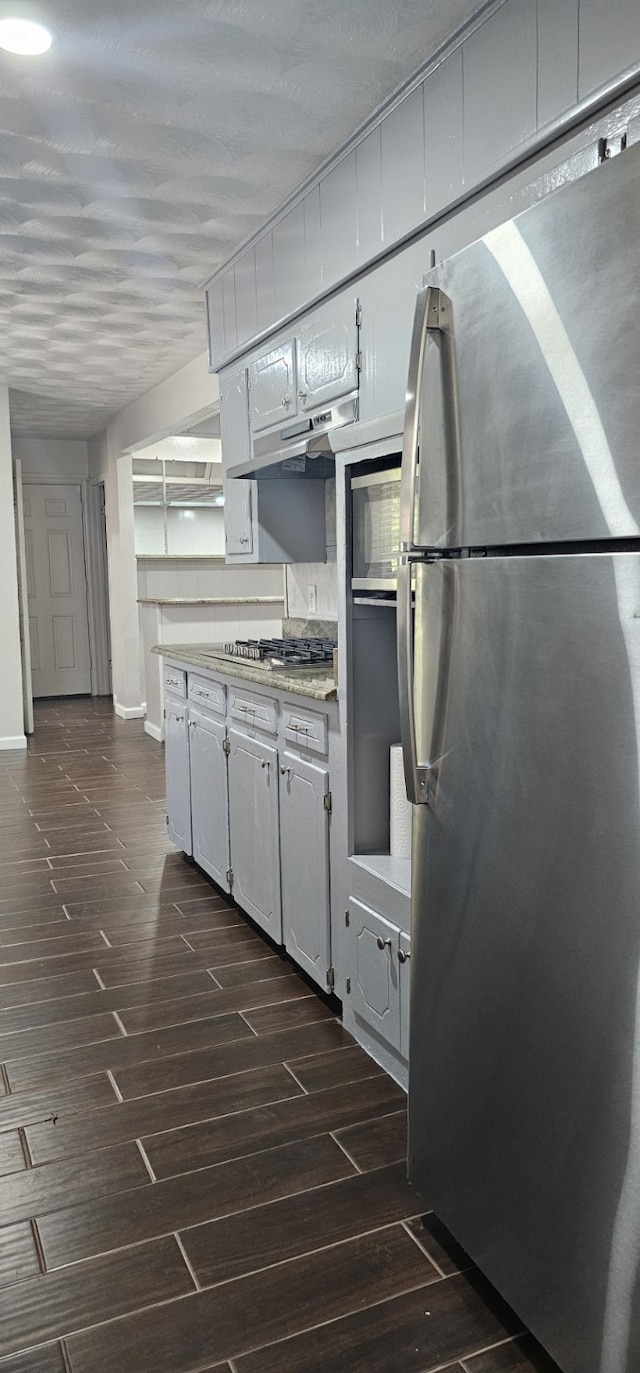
(53, 458)
(11, 709)
(184, 397)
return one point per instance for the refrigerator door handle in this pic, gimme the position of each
(432, 315)
(416, 777)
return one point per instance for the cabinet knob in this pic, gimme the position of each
(193, 724)
(263, 763)
(383, 943)
(284, 772)
(403, 957)
(302, 395)
(286, 401)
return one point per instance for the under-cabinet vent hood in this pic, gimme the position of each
(302, 448)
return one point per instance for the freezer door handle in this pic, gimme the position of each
(416, 777)
(432, 315)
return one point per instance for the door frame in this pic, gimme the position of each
(96, 583)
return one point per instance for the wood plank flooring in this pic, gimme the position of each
(199, 1169)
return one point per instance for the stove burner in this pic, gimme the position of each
(283, 652)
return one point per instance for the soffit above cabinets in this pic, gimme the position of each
(143, 149)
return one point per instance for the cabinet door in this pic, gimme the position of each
(327, 349)
(176, 761)
(304, 843)
(209, 796)
(254, 830)
(272, 388)
(239, 502)
(404, 956)
(376, 990)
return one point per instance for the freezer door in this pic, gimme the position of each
(525, 1033)
(524, 375)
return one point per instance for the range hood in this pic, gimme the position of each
(303, 448)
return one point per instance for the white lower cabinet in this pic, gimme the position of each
(304, 843)
(380, 982)
(254, 830)
(404, 956)
(176, 743)
(209, 795)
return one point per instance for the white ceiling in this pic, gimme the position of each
(137, 154)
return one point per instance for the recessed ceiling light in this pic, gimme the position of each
(24, 37)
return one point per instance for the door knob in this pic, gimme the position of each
(383, 943)
(403, 957)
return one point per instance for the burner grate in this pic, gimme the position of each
(283, 652)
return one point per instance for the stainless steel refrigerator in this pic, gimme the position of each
(520, 702)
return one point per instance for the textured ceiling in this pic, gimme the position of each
(143, 149)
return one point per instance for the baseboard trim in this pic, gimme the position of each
(17, 741)
(153, 730)
(129, 712)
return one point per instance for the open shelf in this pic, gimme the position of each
(394, 871)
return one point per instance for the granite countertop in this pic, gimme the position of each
(320, 688)
(210, 600)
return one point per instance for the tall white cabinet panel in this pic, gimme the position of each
(376, 972)
(239, 496)
(229, 310)
(304, 840)
(326, 349)
(254, 829)
(608, 41)
(272, 387)
(209, 796)
(176, 746)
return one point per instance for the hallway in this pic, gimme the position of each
(191, 1147)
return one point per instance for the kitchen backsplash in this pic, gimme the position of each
(323, 576)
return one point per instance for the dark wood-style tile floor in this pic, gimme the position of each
(199, 1169)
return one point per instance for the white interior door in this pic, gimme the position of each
(57, 590)
(25, 646)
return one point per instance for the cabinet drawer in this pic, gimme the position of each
(257, 712)
(175, 681)
(211, 695)
(306, 728)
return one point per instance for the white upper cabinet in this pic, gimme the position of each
(176, 748)
(246, 299)
(289, 265)
(272, 387)
(209, 799)
(339, 220)
(326, 350)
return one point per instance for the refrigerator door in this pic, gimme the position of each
(525, 377)
(525, 1028)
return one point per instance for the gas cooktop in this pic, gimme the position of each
(274, 655)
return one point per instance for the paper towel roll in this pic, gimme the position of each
(399, 807)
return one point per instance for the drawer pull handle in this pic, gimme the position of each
(383, 943)
(403, 957)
